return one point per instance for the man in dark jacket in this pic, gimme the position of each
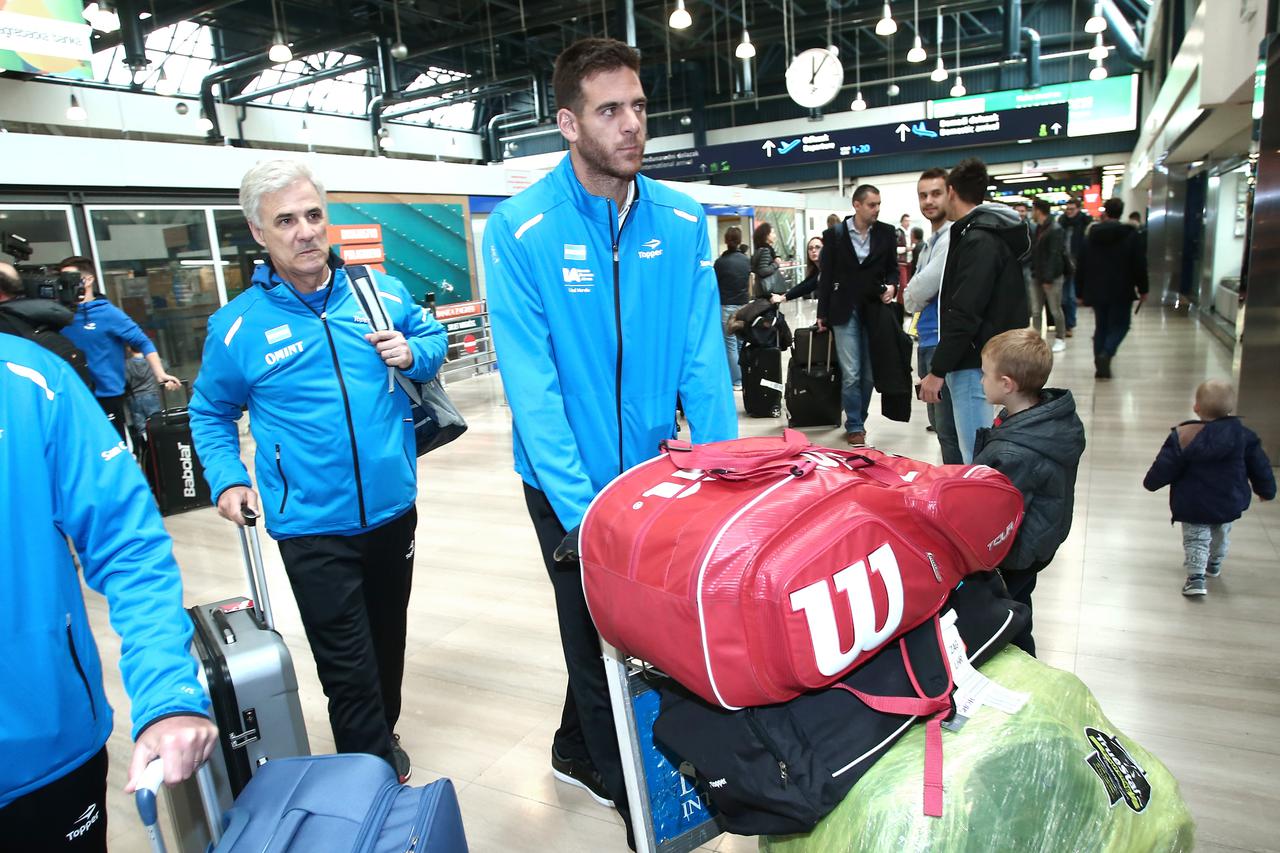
(1037, 443)
(733, 275)
(983, 294)
(1113, 270)
(1048, 265)
(858, 277)
(1075, 222)
(39, 320)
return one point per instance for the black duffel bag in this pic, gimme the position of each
(779, 769)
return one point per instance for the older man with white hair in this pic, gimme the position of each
(335, 460)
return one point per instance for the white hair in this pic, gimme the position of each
(271, 176)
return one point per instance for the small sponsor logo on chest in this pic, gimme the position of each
(278, 334)
(651, 249)
(284, 352)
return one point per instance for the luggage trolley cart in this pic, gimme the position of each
(669, 812)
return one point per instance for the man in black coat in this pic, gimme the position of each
(857, 279)
(1075, 222)
(1113, 271)
(1048, 266)
(983, 294)
(733, 274)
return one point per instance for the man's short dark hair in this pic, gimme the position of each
(10, 283)
(1135, 217)
(583, 58)
(80, 262)
(864, 190)
(932, 173)
(732, 237)
(1073, 200)
(1114, 208)
(1042, 206)
(970, 180)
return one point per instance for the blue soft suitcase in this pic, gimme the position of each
(341, 803)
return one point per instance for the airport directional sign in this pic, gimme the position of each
(933, 134)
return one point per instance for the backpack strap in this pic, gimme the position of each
(748, 459)
(937, 708)
(362, 285)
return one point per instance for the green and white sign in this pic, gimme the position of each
(1093, 106)
(45, 37)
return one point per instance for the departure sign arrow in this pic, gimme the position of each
(1055, 127)
(902, 130)
(768, 147)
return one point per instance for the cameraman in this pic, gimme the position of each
(102, 330)
(39, 320)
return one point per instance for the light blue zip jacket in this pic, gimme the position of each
(64, 473)
(101, 331)
(595, 344)
(335, 448)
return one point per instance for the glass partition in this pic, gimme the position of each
(48, 230)
(156, 265)
(239, 252)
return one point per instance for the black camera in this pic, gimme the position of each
(41, 282)
(48, 283)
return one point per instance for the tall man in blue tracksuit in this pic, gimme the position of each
(101, 331)
(335, 461)
(64, 475)
(605, 311)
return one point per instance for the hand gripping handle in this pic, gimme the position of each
(145, 800)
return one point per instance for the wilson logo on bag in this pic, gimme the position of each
(754, 570)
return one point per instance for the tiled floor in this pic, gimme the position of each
(1196, 682)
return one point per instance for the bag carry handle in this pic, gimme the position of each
(764, 453)
(255, 569)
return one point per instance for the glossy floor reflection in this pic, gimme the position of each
(1196, 682)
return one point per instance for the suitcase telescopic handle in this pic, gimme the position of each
(255, 571)
(145, 800)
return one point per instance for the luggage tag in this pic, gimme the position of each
(973, 689)
(237, 606)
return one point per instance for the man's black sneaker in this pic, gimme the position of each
(401, 758)
(579, 773)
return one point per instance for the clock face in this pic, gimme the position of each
(814, 78)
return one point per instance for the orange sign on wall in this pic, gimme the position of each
(346, 234)
(363, 254)
(458, 309)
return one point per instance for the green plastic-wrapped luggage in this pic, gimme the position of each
(1056, 776)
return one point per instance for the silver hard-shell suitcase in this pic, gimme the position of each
(246, 669)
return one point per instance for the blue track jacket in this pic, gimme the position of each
(335, 449)
(597, 331)
(65, 473)
(101, 330)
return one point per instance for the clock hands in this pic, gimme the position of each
(817, 66)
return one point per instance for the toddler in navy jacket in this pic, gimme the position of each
(1210, 465)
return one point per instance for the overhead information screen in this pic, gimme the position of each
(1093, 106)
(960, 130)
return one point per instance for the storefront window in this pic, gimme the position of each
(239, 251)
(156, 265)
(47, 230)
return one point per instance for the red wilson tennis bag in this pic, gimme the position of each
(754, 570)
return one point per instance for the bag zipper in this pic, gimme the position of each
(616, 231)
(84, 679)
(752, 723)
(421, 820)
(283, 479)
(376, 817)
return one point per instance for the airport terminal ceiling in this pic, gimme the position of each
(485, 65)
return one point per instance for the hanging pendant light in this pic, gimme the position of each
(1098, 72)
(939, 74)
(886, 26)
(399, 50)
(1099, 50)
(75, 112)
(745, 49)
(1097, 23)
(894, 90)
(917, 54)
(859, 103)
(958, 90)
(279, 51)
(203, 124)
(680, 19)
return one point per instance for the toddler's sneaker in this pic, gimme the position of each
(1213, 570)
(1195, 585)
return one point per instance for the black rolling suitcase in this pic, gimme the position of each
(248, 672)
(813, 380)
(170, 464)
(761, 381)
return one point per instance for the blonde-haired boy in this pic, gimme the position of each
(1210, 465)
(1036, 442)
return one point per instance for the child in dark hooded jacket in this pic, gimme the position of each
(1210, 465)
(1036, 442)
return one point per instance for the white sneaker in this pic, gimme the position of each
(1059, 345)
